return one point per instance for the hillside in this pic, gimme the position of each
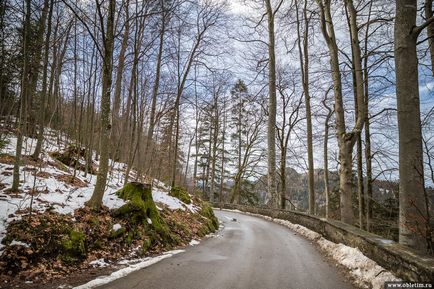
(48, 235)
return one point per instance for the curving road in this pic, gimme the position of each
(248, 253)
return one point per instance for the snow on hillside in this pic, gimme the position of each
(51, 191)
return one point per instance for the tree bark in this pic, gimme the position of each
(35, 64)
(346, 140)
(214, 146)
(360, 188)
(304, 67)
(271, 132)
(430, 31)
(412, 210)
(101, 180)
(42, 107)
(359, 100)
(120, 68)
(368, 154)
(149, 151)
(25, 80)
(326, 158)
(222, 172)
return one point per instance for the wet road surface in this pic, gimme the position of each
(247, 253)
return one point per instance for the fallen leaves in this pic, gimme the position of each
(71, 180)
(40, 257)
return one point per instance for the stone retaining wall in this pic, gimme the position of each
(404, 262)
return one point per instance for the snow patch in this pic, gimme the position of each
(194, 242)
(19, 243)
(309, 234)
(161, 196)
(116, 227)
(365, 271)
(62, 197)
(125, 271)
(99, 263)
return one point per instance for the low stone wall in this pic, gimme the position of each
(405, 263)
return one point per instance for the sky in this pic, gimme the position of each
(385, 137)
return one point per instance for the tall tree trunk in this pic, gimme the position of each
(346, 140)
(368, 186)
(208, 163)
(3, 6)
(56, 98)
(304, 65)
(42, 107)
(412, 204)
(368, 160)
(25, 80)
(358, 84)
(132, 94)
(360, 188)
(430, 31)
(271, 132)
(89, 114)
(116, 120)
(190, 144)
(214, 147)
(120, 68)
(282, 174)
(196, 128)
(35, 63)
(180, 91)
(101, 180)
(222, 169)
(138, 149)
(326, 158)
(368, 154)
(149, 152)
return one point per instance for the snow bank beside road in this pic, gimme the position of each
(366, 272)
(125, 271)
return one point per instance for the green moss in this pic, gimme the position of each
(141, 207)
(74, 246)
(203, 231)
(181, 194)
(145, 246)
(208, 213)
(129, 239)
(95, 221)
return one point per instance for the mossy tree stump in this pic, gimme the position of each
(208, 213)
(141, 209)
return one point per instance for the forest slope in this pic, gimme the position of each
(47, 234)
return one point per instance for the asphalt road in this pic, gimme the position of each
(247, 253)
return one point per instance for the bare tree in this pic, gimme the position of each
(25, 80)
(208, 16)
(329, 115)
(304, 67)
(271, 133)
(44, 92)
(413, 210)
(290, 118)
(107, 67)
(346, 140)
